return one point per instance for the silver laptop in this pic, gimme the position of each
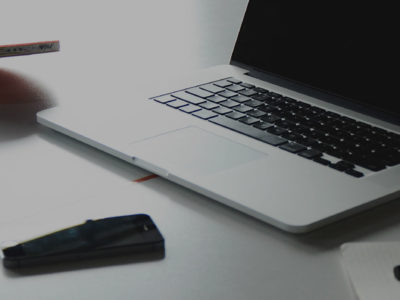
(300, 130)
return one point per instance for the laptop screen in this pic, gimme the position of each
(346, 48)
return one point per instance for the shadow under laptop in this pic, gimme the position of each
(365, 225)
(80, 264)
(20, 100)
(359, 227)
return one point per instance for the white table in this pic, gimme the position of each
(48, 181)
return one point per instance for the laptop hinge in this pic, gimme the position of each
(319, 94)
(260, 74)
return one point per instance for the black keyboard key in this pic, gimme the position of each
(322, 161)
(247, 85)
(248, 93)
(338, 167)
(267, 108)
(254, 103)
(287, 124)
(393, 139)
(164, 99)
(260, 90)
(359, 128)
(212, 88)
(227, 94)
(293, 147)
(177, 103)
(293, 136)
(229, 103)
(316, 110)
(223, 83)
(204, 114)
(270, 118)
(237, 126)
(322, 147)
(222, 110)
(190, 108)
(260, 97)
(256, 113)
(354, 173)
(302, 129)
(234, 80)
(309, 142)
(291, 100)
(270, 100)
(208, 105)
(199, 92)
(345, 164)
(188, 97)
(243, 108)
(241, 98)
(235, 88)
(248, 130)
(263, 125)
(327, 139)
(235, 115)
(336, 152)
(249, 120)
(372, 165)
(216, 99)
(392, 159)
(273, 139)
(355, 157)
(277, 130)
(332, 115)
(310, 153)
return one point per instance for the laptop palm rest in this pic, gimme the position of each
(192, 151)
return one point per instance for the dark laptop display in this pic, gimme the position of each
(346, 48)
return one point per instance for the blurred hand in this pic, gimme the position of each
(20, 100)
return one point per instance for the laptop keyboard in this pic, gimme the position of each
(313, 133)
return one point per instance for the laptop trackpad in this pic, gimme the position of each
(192, 150)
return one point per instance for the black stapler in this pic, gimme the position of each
(109, 237)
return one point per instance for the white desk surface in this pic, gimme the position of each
(48, 181)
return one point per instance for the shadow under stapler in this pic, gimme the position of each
(20, 99)
(82, 264)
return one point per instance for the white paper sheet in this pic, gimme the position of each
(370, 267)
